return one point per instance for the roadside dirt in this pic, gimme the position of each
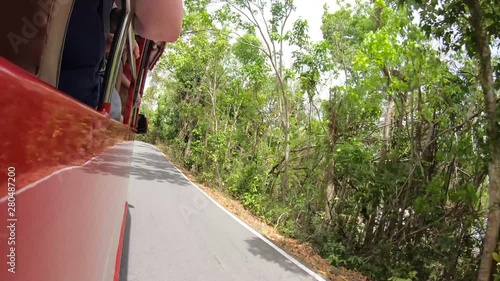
(302, 252)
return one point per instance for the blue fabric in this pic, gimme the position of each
(83, 52)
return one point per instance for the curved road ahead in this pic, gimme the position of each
(175, 232)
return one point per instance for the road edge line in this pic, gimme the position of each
(245, 225)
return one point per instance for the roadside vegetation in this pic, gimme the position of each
(378, 146)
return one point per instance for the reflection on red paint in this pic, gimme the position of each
(72, 174)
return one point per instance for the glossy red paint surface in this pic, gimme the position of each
(72, 169)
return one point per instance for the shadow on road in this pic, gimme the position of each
(261, 249)
(126, 247)
(144, 164)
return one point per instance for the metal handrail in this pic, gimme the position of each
(115, 55)
(131, 58)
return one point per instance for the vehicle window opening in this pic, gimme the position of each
(42, 54)
(33, 35)
(122, 32)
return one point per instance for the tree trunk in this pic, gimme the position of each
(330, 170)
(286, 164)
(482, 45)
(213, 96)
(388, 120)
(391, 104)
(187, 151)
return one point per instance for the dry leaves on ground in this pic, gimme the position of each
(302, 252)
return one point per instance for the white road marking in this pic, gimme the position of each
(242, 223)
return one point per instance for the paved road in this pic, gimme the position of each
(175, 232)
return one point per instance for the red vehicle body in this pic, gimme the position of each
(64, 178)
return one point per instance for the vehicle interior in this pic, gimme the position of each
(53, 140)
(36, 31)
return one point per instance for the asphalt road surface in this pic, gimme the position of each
(175, 232)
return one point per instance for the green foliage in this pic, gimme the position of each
(398, 200)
